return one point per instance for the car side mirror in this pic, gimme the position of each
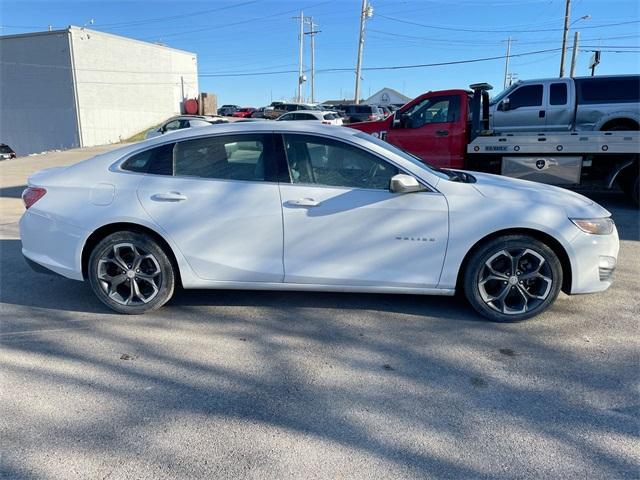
(403, 122)
(504, 105)
(402, 183)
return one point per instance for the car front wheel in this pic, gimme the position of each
(130, 273)
(512, 278)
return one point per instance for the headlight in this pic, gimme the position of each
(595, 226)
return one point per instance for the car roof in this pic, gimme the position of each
(317, 112)
(192, 117)
(255, 127)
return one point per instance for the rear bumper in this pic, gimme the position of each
(52, 244)
(594, 261)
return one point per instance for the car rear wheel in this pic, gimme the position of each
(130, 273)
(512, 278)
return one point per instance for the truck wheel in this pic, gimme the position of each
(512, 278)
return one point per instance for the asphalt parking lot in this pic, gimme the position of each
(312, 385)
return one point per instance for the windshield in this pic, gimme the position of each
(502, 94)
(5, 149)
(404, 154)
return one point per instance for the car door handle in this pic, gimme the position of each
(541, 113)
(169, 197)
(302, 202)
(442, 133)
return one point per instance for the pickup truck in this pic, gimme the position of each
(561, 104)
(450, 129)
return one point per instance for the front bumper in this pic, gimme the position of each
(52, 244)
(593, 261)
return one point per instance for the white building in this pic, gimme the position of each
(387, 96)
(78, 87)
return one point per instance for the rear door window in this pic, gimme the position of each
(558, 94)
(227, 157)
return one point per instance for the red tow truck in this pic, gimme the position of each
(450, 129)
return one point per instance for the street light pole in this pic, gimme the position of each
(366, 12)
(506, 64)
(564, 36)
(312, 33)
(574, 54)
(301, 39)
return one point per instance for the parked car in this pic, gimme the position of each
(244, 112)
(6, 152)
(299, 206)
(228, 110)
(323, 116)
(184, 121)
(386, 111)
(282, 108)
(259, 112)
(561, 104)
(362, 113)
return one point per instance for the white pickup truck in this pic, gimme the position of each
(601, 103)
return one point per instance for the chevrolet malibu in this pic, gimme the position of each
(295, 206)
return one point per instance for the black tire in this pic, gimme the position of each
(128, 289)
(622, 127)
(489, 276)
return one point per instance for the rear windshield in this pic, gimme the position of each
(330, 116)
(608, 90)
(5, 149)
(364, 109)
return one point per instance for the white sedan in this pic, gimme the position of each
(298, 206)
(326, 117)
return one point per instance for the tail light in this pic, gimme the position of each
(31, 195)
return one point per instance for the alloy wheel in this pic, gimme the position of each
(129, 275)
(515, 281)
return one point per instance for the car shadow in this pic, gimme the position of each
(58, 293)
(12, 192)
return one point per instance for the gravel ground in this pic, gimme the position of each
(267, 385)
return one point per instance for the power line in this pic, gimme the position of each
(390, 67)
(174, 17)
(241, 22)
(438, 27)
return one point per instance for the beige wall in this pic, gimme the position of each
(125, 86)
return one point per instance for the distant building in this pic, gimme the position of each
(78, 87)
(387, 96)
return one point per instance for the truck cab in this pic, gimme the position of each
(600, 103)
(534, 106)
(432, 126)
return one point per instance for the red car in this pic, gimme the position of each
(244, 112)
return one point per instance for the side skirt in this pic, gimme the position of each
(320, 288)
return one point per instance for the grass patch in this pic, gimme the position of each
(140, 135)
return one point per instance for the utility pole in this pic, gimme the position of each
(300, 59)
(574, 54)
(564, 36)
(365, 13)
(506, 63)
(312, 33)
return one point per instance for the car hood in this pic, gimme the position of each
(501, 188)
